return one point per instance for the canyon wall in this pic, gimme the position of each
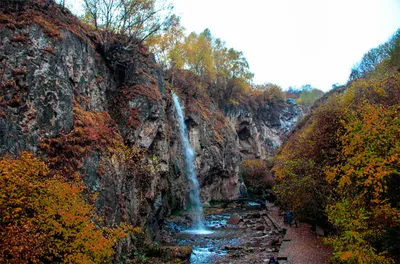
(83, 109)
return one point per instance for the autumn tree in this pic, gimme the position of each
(224, 71)
(256, 175)
(46, 219)
(342, 165)
(364, 207)
(308, 96)
(162, 42)
(271, 92)
(299, 165)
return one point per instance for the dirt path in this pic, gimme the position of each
(300, 245)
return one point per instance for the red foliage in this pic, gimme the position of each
(91, 131)
(49, 16)
(151, 92)
(19, 71)
(49, 50)
(100, 79)
(133, 117)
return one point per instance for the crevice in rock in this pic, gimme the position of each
(244, 133)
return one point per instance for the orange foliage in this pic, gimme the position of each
(220, 126)
(91, 131)
(18, 71)
(343, 164)
(46, 219)
(191, 90)
(369, 159)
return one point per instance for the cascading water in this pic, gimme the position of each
(190, 171)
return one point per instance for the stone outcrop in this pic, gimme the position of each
(260, 133)
(46, 82)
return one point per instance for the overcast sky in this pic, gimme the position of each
(296, 42)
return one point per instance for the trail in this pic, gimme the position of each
(300, 244)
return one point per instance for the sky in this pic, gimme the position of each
(296, 42)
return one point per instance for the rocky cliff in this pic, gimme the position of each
(104, 114)
(262, 131)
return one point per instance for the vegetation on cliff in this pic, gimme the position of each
(342, 165)
(49, 209)
(46, 218)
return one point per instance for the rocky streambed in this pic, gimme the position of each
(239, 233)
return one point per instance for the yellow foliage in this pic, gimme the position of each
(346, 158)
(46, 219)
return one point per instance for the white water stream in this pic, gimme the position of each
(190, 173)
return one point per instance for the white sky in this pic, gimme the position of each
(294, 42)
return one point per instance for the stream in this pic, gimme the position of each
(239, 233)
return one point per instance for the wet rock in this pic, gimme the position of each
(275, 242)
(255, 215)
(260, 227)
(233, 248)
(234, 219)
(171, 252)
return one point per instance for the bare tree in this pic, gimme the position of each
(135, 18)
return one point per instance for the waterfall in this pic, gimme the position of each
(190, 171)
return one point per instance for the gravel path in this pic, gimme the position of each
(300, 245)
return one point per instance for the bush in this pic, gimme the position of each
(46, 219)
(365, 209)
(256, 176)
(342, 166)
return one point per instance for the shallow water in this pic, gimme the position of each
(198, 231)
(220, 242)
(205, 255)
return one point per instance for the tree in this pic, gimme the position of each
(342, 166)
(308, 96)
(271, 92)
(300, 163)
(383, 58)
(164, 44)
(394, 52)
(363, 208)
(256, 175)
(370, 61)
(138, 19)
(46, 219)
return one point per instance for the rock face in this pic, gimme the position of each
(51, 89)
(260, 133)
